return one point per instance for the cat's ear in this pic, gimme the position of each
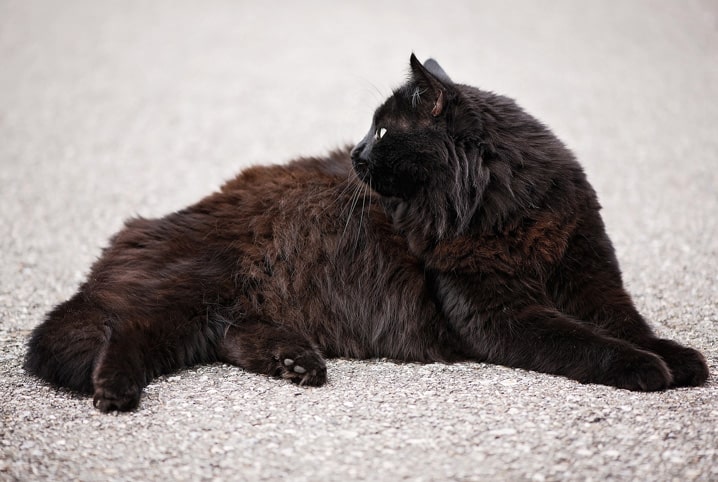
(433, 66)
(431, 78)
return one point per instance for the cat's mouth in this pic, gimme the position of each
(362, 164)
(361, 169)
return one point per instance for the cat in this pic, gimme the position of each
(458, 228)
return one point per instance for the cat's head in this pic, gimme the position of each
(409, 155)
(449, 157)
(407, 140)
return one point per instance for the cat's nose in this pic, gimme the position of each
(359, 153)
(356, 152)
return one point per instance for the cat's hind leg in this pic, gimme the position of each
(64, 348)
(139, 351)
(270, 349)
(587, 285)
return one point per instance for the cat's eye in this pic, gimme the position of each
(379, 133)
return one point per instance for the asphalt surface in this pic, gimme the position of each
(112, 109)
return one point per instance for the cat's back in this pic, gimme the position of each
(310, 208)
(302, 177)
(251, 208)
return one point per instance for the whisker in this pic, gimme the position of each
(355, 200)
(361, 217)
(376, 92)
(338, 197)
(351, 184)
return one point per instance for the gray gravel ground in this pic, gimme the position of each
(110, 109)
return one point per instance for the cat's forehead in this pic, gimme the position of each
(400, 107)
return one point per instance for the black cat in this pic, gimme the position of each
(466, 230)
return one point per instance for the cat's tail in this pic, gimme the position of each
(63, 349)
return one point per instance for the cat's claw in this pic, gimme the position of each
(307, 368)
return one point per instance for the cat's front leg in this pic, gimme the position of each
(688, 366)
(540, 338)
(515, 331)
(270, 349)
(587, 284)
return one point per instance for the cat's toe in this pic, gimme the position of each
(639, 371)
(689, 369)
(116, 394)
(687, 365)
(307, 368)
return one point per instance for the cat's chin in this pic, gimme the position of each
(385, 192)
(417, 229)
(361, 169)
(386, 184)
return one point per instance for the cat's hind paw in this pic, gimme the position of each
(116, 394)
(304, 368)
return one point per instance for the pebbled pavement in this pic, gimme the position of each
(110, 109)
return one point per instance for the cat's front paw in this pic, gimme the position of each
(687, 365)
(639, 371)
(116, 393)
(302, 367)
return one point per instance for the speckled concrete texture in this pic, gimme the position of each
(112, 109)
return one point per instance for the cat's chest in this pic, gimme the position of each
(532, 246)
